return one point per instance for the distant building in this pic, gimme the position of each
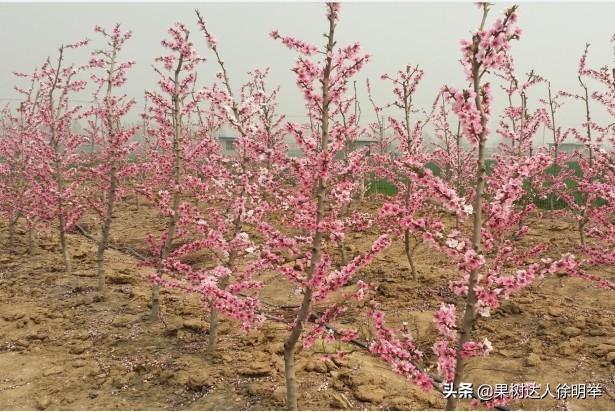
(355, 145)
(361, 143)
(227, 138)
(228, 144)
(570, 147)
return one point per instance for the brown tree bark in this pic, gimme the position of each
(304, 310)
(470, 309)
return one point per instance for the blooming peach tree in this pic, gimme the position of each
(169, 168)
(310, 209)
(58, 181)
(494, 263)
(418, 191)
(16, 194)
(556, 176)
(231, 193)
(594, 206)
(112, 142)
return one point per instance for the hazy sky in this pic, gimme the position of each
(427, 34)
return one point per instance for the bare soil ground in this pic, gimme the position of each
(63, 348)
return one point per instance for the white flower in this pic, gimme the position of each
(455, 244)
(484, 311)
(488, 346)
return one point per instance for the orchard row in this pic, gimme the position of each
(260, 210)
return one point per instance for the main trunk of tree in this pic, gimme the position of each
(176, 181)
(582, 232)
(213, 317)
(291, 343)
(106, 228)
(65, 254)
(470, 309)
(62, 221)
(409, 249)
(320, 192)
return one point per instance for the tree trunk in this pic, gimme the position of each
(409, 249)
(61, 217)
(289, 373)
(172, 220)
(304, 310)
(104, 237)
(343, 257)
(31, 240)
(65, 254)
(582, 232)
(291, 343)
(470, 309)
(166, 249)
(213, 318)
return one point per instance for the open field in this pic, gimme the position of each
(423, 223)
(62, 348)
